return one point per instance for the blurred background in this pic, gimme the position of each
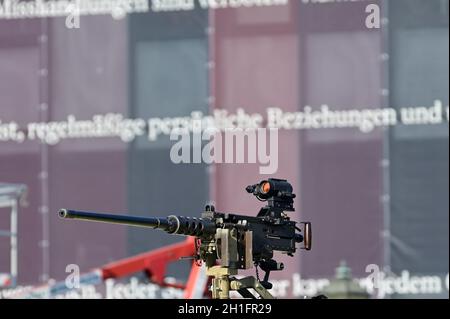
(378, 198)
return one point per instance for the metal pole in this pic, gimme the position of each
(386, 160)
(44, 116)
(13, 241)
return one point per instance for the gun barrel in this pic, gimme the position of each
(180, 225)
(150, 222)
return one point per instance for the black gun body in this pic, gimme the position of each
(268, 235)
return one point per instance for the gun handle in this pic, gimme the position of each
(307, 234)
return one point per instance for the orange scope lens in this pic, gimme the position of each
(265, 187)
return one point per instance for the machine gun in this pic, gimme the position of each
(227, 243)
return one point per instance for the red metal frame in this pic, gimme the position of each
(154, 264)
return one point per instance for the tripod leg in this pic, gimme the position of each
(221, 288)
(246, 293)
(221, 281)
(242, 286)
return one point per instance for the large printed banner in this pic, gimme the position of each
(294, 287)
(100, 101)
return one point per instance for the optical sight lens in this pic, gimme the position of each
(265, 187)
